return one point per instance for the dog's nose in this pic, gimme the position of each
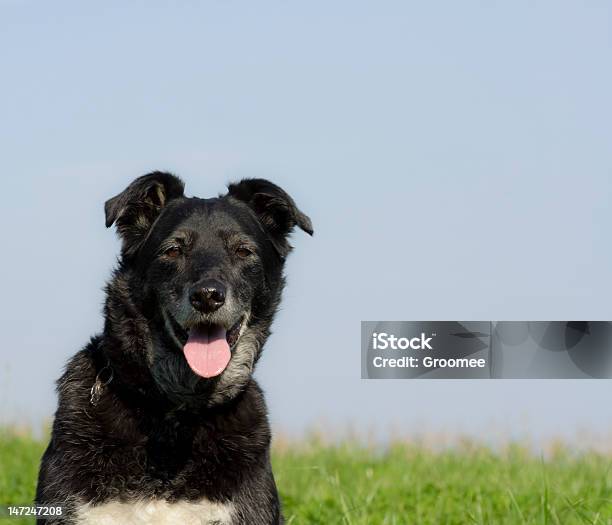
(207, 296)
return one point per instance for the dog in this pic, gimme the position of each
(159, 418)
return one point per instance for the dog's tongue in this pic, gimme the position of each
(207, 350)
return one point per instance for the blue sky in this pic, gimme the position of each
(454, 156)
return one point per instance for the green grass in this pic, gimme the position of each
(19, 458)
(465, 485)
(403, 484)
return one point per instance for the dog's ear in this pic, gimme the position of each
(275, 209)
(135, 209)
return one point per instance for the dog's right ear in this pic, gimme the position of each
(135, 209)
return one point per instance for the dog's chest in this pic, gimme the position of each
(156, 512)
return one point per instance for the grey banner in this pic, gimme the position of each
(486, 349)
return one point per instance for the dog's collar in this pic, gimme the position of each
(104, 377)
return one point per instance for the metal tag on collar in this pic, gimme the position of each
(96, 390)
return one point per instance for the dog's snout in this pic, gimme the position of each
(207, 296)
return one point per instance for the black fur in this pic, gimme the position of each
(159, 430)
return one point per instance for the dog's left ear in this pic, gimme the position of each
(135, 209)
(275, 209)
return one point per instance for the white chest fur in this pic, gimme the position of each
(156, 512)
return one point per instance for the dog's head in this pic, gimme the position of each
(205, 276)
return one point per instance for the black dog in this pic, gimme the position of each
(159, 419)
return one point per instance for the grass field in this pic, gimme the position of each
(402, 484)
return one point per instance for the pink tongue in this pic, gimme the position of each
(207, 351)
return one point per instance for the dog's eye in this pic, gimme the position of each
(173, 251)
(243, 252)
